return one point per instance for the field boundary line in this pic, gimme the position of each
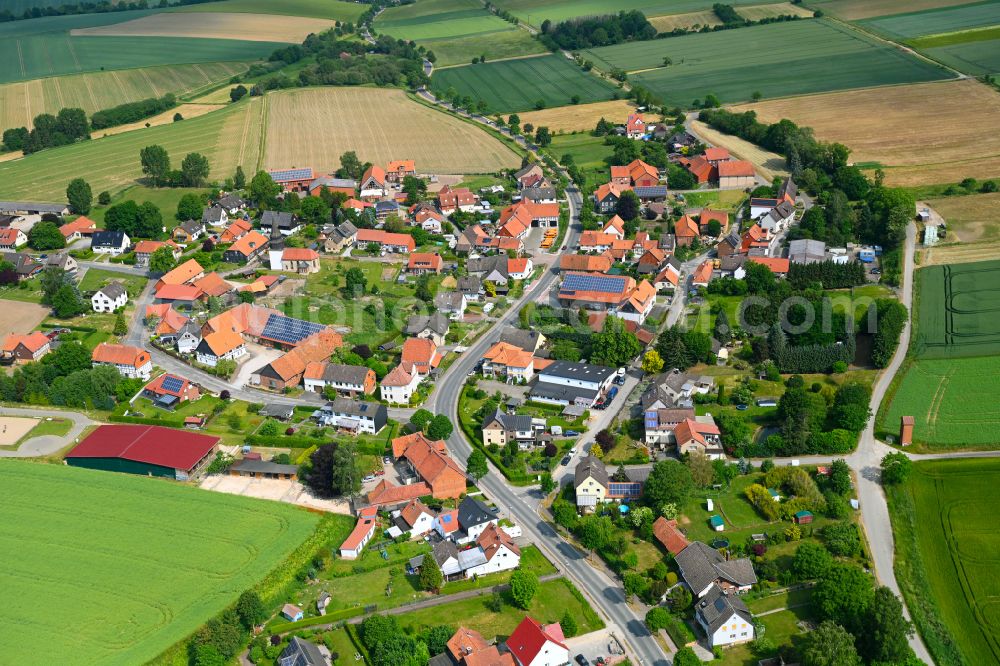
(153, 86)
(121, 85)
(524, 57)
(27, 103)
(243, 138)
(90, 91)
(59, 93)
(262, 141)
(72, 52)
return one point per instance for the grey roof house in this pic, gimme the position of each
(702, 566)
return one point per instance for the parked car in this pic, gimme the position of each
(564, 461)
(580, 659)
(742, 408)
(620, 380)
(572, 452)
(571, 433)
(612, 392)
(369, 478)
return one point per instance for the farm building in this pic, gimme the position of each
(262, 469)
(146, 450)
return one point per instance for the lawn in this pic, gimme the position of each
(164, 198)
(936, 21)
(779, 628)
(946, 556)
(457, 31)
(971, 218)
(551, 601)
(520, 85)
(228, 137)
(101, 90)
(729, 200)
(589, 154)
(85, 552)
(800, 57)
(317, 125)
(45, 47)
(95, 278)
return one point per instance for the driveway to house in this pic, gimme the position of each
(258, 357)
(46, 444)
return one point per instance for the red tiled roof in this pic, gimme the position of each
(213, 284)
(776, 264)
(686, 228)
(299, 254)
(82, 224)
(735, 168)
(222, 342)
(179, 292)
(400, 444)
(151, 246)
(405, 165)
(424, 260)
(376, 172)
(385, 238)
(707, 215)
(602, 192)
(247, 245)
(529, 638)
(517, 265)
(32, 341)
(364, 527)
(183, 273)
(667, 533)
(596, 239)
(153, 445)
(715, 153)
(420, 352)
(398, 376)
(120, 355)
(387, 493)
(703, 273)
(157, 385)
(584, 262)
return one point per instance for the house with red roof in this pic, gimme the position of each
(693, 435)
(235, 231)
(420, 356)
(398, 387)
(424, 262)
(703, 274)
(145, 450)
(778, 265)
(247, 247)
(615, 227)
(168, 320)
(373, 184)
(642, 174)
(24, 348)
(585, 262)
(707, 215)
(716, 154)
(388, 242)
(685, 231)
(129, 361)
(185, 273)
(294, 179)
(81, 226)
(432, 464)
(607, 195)
(167, 391)
(361, 534)
(446, 523)
(451, 199)
(179, 294)
(397, 170)
(531, 176)
(535, 644)
(669, 534)
(144, 249)
(386, 494)
(699, 167)
(12, 238)
(736, 175)
(300, 260)
(635, 126)
(755, 241)
(596, 241)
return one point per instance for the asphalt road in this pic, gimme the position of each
(46, 444)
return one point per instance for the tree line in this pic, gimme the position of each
(827, 273)
(131, 112)
(592, 31)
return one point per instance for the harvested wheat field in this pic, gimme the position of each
(922, 134)
(20, 317)
(581, 117)
(960, 253)
(221, 25)
(768, 164)
(688, 21)
(315, 126)
(758, 12)
(187, 111)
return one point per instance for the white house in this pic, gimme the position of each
(188, 338)
(473, 518)
(725, 618)
(499, 550)
(778, 218)
(535, 644)
(568, 383)
(451, 303)
(414, 518)
(361, 535)
(220, 346)
(109, 298)
(356, 416)
(129, 361)
(110, 242)
(398, 387)
(12, 238)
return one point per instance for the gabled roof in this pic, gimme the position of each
(707, 215)
(220, 342)
(700, 566)
(387, 493)
(107, 239)
(703, 273)
(252, 242)
(113, 290)
(82, 224)
(591, 467)
(530, 637)
(735, 168)
(507, 355)
(32, 341)
(375, 172)
(715, 153)
(610, 190)
(168, 384)
(299, 254)
(385, 238)
(179, 292)
(213, 284)
(153, 445)
(413, 510)
(472, 512)
(405, 165)
(686, 227)
(667, 533)
(425, 260)
(716, 608)
(436, 323)
(492, 539)
(778, 265)
(398, 376)
(120, 355)
(420, 352)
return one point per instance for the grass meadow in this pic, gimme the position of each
(948, 556)
(20, 102)
(44, 47)
(457, 31)
(131, 565)
(533, 12)
(798, 57)
(936, 21)
(228, 137)
(589, 153)
(518, 85)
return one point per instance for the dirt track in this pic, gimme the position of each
(20, 317)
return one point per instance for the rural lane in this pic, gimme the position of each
(46, 444)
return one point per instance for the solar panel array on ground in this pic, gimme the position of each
(285, 329)
(603, 283)
(172, 384)
(290, 174)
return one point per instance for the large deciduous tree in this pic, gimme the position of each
(79, 196)
(155, 164)
(669, 482)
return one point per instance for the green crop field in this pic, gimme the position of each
(936, 21)
(228, 137)
(948, 556)
(44, 47)
(971, 57)
(777, 60)
(20, 102)
(957, 312)
(457, 31)
(534, 12)
(324, 9)
(589, 154)
(114, 569)
(516, 85)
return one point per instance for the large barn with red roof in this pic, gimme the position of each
(146, 450)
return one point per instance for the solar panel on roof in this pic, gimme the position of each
(606, 283)
(290, 174)
(172, 384)
(286, 329)
(622, 489)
